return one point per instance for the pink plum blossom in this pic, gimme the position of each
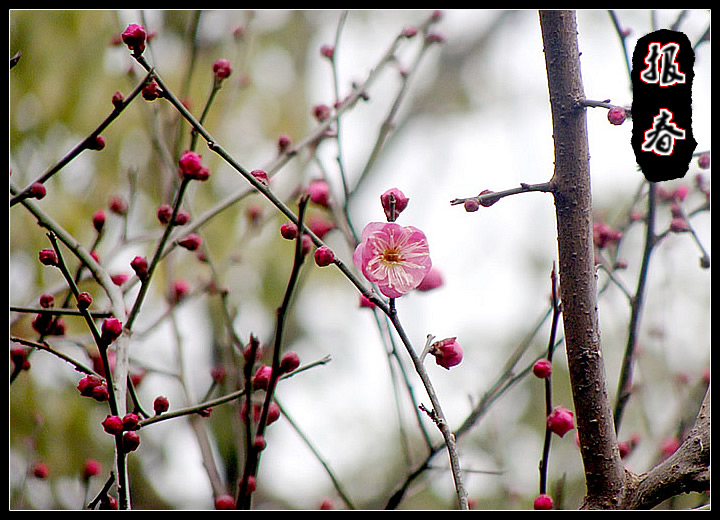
(394, 257)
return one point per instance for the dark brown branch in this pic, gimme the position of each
(686, 470)
(604, 473)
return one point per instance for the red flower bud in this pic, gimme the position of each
(98, 220)
(118, 99)
(222, 69)
(447, 352)
(151, 91)
(130, 421)
(324, 256)
(37, 190)
(471, 205)
(191, 167)
(560, 420)
(48, 257)
(97, 143)
(112, 424)
(393, 195)
(92, 467)
(319, 192)
(111, 330)
(130, 441)
(47, 301)
(191, 242)
(140, 266)
(543, 502)
(261, 379)
(289, 230)
(542, 368)
(321, 112)
(40, 470)
(87, 384)
(616, 115)
(100, 393)
(134, 37)
(261, 175)
(118, 205)
(224, 502)
(161, 404)
(273, 413)
(289, 362)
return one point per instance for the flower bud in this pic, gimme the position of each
(704, 160)
(222, 69)
(259, 443)
(191, 242)
(118, 205)
(92, 467)
(679, 225)
(40, 470)
(543, 502)
(447, 352)
(261, 175)
(225, 502)
(118, 99)
(319, 192)
(97, 143)
(327, 51)
(134, 37)
(130, 441)
(87, 384)
(180, 289)
(111, 330)
(261, 379)
(616, 115)
(48, 257)
(542, 368)
(289, 230)
(191, 167)
(319, 225)
(289, 362)
(393, 195)
(151, 91)
(324, 256)
(250, 484)
(98, 220)
(37, 191)
(273, 413)
(130, 421)
(560, 420)
(140, 266)
(161, 404)
(471, 205)
(321, 112)
(112, 424)
(100, 393)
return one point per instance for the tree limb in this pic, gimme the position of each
(604, 473)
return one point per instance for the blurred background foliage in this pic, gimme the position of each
(70, 67)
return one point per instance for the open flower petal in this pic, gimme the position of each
(394, 257)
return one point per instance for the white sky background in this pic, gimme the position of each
(489, 259)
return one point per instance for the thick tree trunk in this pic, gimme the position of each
(604, 473)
